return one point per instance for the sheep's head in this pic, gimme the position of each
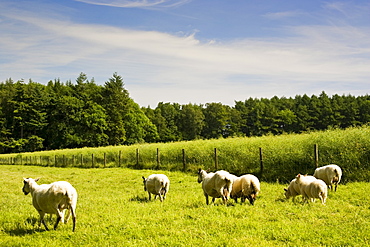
(287, 193)
(201, 175)
(26, 185)
(144, 181)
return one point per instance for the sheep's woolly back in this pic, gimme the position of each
(157, 184)
(216, 185)
(293, 189)
(52, 198)
(330, 174)
(312, 189)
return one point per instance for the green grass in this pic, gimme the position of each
(283, 156)
(113, 210)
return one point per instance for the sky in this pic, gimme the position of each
(191, 51)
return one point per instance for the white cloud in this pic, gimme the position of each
(137, 3)
(162, 67)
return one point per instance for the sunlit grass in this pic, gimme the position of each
(113, 210)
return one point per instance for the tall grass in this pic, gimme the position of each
(113, 210)
(283, 156)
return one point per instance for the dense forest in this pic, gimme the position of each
(61, 115)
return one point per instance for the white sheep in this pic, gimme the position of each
(52, 198)
(293, 188)
(246, 186)
(330, 174)
(216, 185)
(311, 189)
(157, 184)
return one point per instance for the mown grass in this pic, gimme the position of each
(113, 210)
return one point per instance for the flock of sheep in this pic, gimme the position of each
(58, 197)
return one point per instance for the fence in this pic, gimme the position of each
(180, 161)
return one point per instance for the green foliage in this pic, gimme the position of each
(84, 114)
(113, 210)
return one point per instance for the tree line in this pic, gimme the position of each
(61, 115)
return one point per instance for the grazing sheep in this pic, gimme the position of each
(52, 198)
(157, 184)
(312, 188)
(246, 186)
(293, 188)
(330, 174)
(216, 185)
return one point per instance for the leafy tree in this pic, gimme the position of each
(115, 100)
(138, 126)
(217, 121)
(191, 122)
(166, 116)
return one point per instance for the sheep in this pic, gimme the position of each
(330, 174)
(312, 188)
(216, 185)
(246, 186)
(157, 184)
(293, 188)
(52, 198)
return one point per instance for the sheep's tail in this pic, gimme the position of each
(163, 187)
(336, 177)
(72, 207)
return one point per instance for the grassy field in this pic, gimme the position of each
(113, 210)
(283, 156)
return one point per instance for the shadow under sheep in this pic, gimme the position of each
(25, 229)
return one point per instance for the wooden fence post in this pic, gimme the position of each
(105, 159)
(261, 162)
(183, 160)
(119, 158)
(55, 160)
(158, 159)
(216, 159)
(316, 152)
(137, 158)
(92, 160)
(82, 160)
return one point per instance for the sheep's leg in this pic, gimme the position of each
(73, 217)
(60, 214)
(322, 198)
(251, 200)
(207, 201)
(149, 196)
(42, 215)
(57, 222)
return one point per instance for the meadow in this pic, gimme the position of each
(113, 210)
(283, 156)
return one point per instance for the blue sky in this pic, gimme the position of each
(191, 51)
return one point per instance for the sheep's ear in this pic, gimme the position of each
(285, 189)
(143, 178)
(208, 170)
(37, 179)
(199, 170)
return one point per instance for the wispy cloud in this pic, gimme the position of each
(164, 67)
(283, 15)
(137, 3)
